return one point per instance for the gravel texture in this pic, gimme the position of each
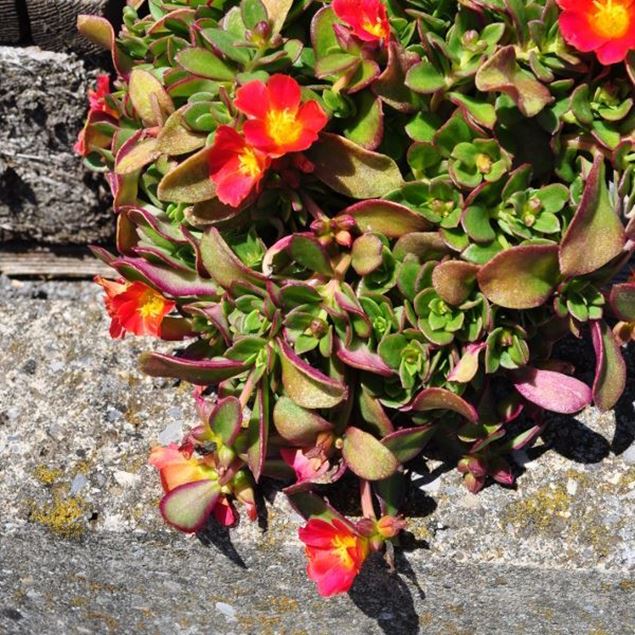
(83, 549)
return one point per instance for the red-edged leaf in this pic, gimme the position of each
(610, 368)
(442, 399)
(226, 419)
(296, 424)
(385, 217)
(362, 358)
(406, 443)
(454, 280)
(200, 372)
(188, 506)
(258, 432)
(622, 300)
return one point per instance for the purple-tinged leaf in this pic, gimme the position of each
(595, 235)
(310, 253)
(522, 277)
(385, 217)
(610, 368)
(390, 86)
(226, 419)
(189, 181)
(215, 314)
(177, 284)
(424, 245)
(145, 217)
(351, 170)
(223, 265)
(201, 372)
(158, 256)
(552, 391)
(366, 456)
(258, 432)
(174, 329)
(307, 386)
(296, 424)
(406, 443)
(99, 31)
(442, 399)
(310, 505)
(187, 507)
(525, 438)
(622, 301)
(361, 357)
(454, 280)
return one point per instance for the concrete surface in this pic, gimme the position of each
(46, 194)
(83, 549)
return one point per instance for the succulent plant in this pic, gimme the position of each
(366, 225)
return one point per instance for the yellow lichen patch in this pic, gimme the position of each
(540, 510)
(82, 467)
(63, 516)
(627, 482)
(47, 475)
(627, 585)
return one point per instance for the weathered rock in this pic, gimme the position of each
(83, 548)
(46, 194)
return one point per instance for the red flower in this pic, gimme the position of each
(278, 122)
(134, 307)
(97, 97)
(235, 166)
(336, 553)
(367, 18)
(606, 27)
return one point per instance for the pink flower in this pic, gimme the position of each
(606, 27)
(307, 469)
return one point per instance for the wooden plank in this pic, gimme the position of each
(49, 264)
(9, 22)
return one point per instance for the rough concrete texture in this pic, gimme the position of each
(83, 549)
(46, 194)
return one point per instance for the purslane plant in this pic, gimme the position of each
(367, 224)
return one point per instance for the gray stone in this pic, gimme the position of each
(46, 194)
(555, 556)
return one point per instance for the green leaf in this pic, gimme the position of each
(425, 78)
(367, 127)
(277, 10)
(253, 12)
(296, 424)
(135, 154)
(309, 252)
(223, 264)
(366, 456)
(367, 254)
(188, 506)
(351, 170)
(148, 97)
(406, 443)
(226, 419)
(176, 138)
(522, 277)
(307, 386)
(454, 280)
(595, 235)
(204, 63)
(502, 73)
(189, 181)
(622, 300)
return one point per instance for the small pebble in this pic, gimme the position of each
(227, 610)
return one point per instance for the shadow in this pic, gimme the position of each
(574, 441)
(219, 537)
(385, 597)
(624, 434)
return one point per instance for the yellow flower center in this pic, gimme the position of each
(341, 545)
(611, 18)
(249, 163)
(151, 305)
(283, 126)
(377, 28)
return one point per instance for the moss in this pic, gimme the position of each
(541, 510)
(63, 516)
(47, 475)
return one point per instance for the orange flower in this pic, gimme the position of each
(134, 307)
(367, 18)
(177, 468)
(278, 122)
(336, 553)
(606, 27)
(235, 167)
